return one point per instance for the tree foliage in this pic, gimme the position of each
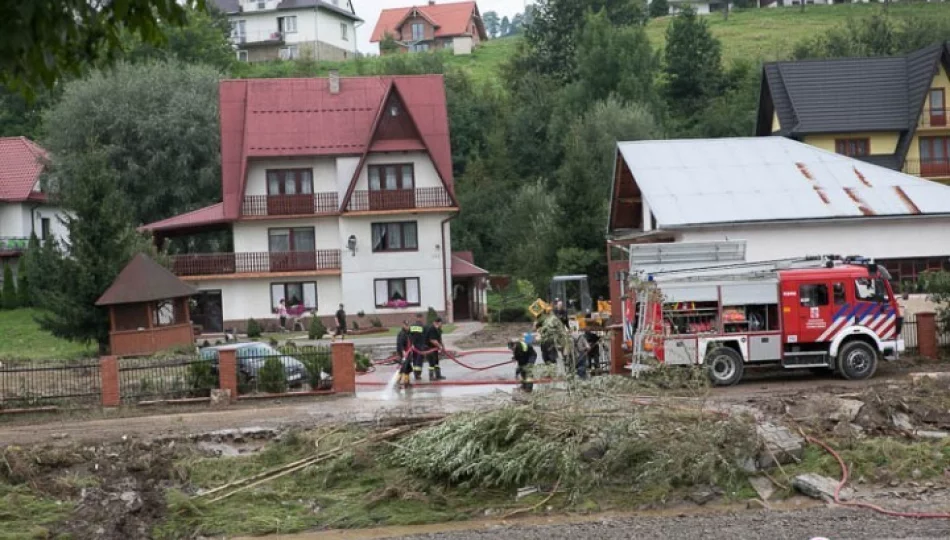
(693, 64)
(156, 123)
(203, 38)
(41, 40)
(10, 300)
(23, 277)
(659, 8)
(67, 280)
(492, 23)
(876, 35)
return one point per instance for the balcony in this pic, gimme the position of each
(933, 118)
(311, 204)
(257, 38)
(399, 199)
(928, 168)
(13, 245)
(217, 264)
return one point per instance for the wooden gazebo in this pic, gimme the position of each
(148, 309)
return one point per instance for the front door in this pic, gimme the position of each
(208, 312)
(461, 301)
(814, 311)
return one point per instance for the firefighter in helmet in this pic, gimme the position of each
(433, 343)
(404, 352)
(525, 356)
(417, 331)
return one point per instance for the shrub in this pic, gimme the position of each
(10, 300)
(315, 362)
(513, 314)
(23, 286)
(431, 315)
(271, 378)
(356, 325)
(253, 328)
(376, 323)
(202, 378)
(273, 342)
(362, 362)
(317, 329)
(206, 343)
(361, 314)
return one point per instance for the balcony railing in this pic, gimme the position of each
(291, 205)
(399, 199)
(249, 38)
(934, 118)
(13, 244)
(928, 168)
(210, 264)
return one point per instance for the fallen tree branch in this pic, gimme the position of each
(535, 507)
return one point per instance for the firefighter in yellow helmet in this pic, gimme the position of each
(525, 356)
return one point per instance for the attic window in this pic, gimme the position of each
(394, 109)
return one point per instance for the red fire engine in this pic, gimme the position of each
(819, 313)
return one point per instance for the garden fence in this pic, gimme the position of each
(165, 378)
(27, 384)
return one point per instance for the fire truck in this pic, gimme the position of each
(821, 313)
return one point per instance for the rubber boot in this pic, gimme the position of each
(438, 374)
(418, 374)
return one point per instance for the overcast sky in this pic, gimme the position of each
(369, 10)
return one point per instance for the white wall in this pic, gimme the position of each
(324, 173)
(462, 45)
(252, 236)
(424, 171)
(345, 167)
(328, 30)
(246, 298)
(15, 220)
(312, 25)
(897, 238)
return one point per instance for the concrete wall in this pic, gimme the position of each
(327, 30)
(462, 45)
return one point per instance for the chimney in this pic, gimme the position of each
(431, 2)
(334, 81)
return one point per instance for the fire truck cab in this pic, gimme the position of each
(834, 314)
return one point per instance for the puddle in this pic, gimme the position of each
(222, 449)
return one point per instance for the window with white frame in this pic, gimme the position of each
(300, 295)
(397, 236)
(287, 25)
(289, 53)
(242, 56)
(397, 292)
(344, 32)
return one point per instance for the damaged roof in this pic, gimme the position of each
(694, 182)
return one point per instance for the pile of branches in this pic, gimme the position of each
(593, 434)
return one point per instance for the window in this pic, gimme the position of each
(289, 53)
(163, 313)
(838, 290)
(938, 107)
(289, 182)
(343, 32)
(44, 228)
(242, 56)
(418, 31)
(395, 236)
(813, 295)
(399, 292)
(391, 177)
(869, 290)
(419, 47)
(237, 31)
(287, 25)
(853, 147)
(295, 295)
(296, 239)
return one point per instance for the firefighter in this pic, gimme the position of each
(525, 356)
(404, 352)
(433, 340)
(418, 343)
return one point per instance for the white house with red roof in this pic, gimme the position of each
(456, 26)
(24, 207)
(335, 191)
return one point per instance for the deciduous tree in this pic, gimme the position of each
(492, 23)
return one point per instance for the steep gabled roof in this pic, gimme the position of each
(844, 95)
(696, 182)
(451, 19)
(144, 280)
(267, 118)
(21, 164)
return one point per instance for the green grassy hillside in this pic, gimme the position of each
(770, 33)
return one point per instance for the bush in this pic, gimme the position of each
(271, 378)
(205, 343)
(254, 329)
(23, 286)
(431, 315)
(356, 325)
(361, 314)
(273, 342)
(513, 314)
(317, 329)
(202, 378)
(375, 322)
(10, 300)
(315, 362)
(362, 362)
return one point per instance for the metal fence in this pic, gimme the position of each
(26, 384)
(909, 333)
(295, 369)
(165, 378)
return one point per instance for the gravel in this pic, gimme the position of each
(836, 523)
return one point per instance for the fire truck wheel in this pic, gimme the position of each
(724, 366)
(857, 360)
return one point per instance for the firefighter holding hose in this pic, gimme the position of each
(433, 343)
(404, 352)
(417, 341)
(525, 356)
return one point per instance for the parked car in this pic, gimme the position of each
(251, 358)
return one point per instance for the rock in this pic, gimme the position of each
(848, 410)
(925, 434)
(819, 487)
(763, 486)
(131, 499)
(847, 430)
(220, 397)
(915, 474)
(902, 421)
(701, 496)
(938, 376)
(59, 436)
(781, 445)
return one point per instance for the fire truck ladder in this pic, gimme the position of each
(747, 270)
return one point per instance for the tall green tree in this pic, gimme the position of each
(157, 123)
(492, 23)
(693, 64)
(102, 241)
(204, 38)
(10, 299)
(505, 26)
(41, 40)
(659, 8)
(876, 35)
(23, 280)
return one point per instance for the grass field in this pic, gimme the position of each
(22, 338)
(770, 34)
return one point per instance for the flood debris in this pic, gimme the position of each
(820, 487)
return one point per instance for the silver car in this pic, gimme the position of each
(251, 358)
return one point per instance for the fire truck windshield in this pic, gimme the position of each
(870, 290)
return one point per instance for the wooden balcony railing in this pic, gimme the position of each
(928, 168)
(291, 205)
(13, 244)
(934, 118)
(210, 264)
(399, 199)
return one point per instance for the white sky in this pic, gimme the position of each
(369, 10)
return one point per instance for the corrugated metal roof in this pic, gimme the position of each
(21, 163)
(705, 181)
(144, 280)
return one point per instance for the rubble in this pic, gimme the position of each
(762, 486)
(780, 446)
(820, 487)
(902, 422)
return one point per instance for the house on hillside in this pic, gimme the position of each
(456, 26)
(335, 190)
(890, 111)
(25, 208)
(287, 29)
(780, 198)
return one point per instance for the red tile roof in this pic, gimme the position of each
(300, 117)
(452, 19)
(21, 163)
(463, 265)
(209, 215)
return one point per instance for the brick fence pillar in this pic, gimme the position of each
(109, 373)
(227, 372)
(927, 335)
(616, 353)
(343, 355)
